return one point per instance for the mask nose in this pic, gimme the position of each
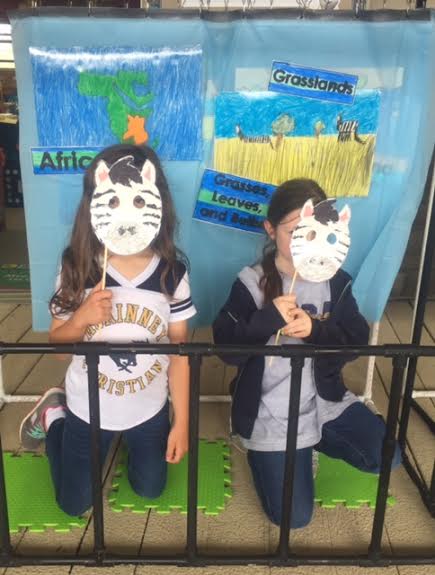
(127, 230)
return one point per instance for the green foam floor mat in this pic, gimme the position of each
(14, 277)
(213, 484)
(30, 496)
(32, 505)
(338, 483)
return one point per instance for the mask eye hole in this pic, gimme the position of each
(310, 236)
(114, 202)
(138, 202)
(331, 239)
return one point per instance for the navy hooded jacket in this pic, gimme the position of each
(241, 322)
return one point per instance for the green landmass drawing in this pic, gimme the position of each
(128, 111)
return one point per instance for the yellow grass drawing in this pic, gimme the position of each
(343, 169)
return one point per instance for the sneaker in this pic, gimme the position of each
(32, 428)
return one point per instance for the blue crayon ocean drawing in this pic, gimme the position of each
(99, 97)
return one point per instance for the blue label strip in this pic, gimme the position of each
(62, 160)
(228, 217)
(236, 187)
(312, 83)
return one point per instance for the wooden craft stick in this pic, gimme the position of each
(278, 334)
(103, 278)
(295, 275)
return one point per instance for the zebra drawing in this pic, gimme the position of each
(253, 139)
(347, 129)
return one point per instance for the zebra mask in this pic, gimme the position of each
(126, 207)
(320, 241)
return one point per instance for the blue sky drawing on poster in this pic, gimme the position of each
(99, 97)
(272, 138)
(256, 111)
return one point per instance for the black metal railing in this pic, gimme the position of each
(399, 354)
(427, 492)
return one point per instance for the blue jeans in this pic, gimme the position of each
(69, 454)
(355, 437)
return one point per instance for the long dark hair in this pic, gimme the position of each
(81, 259)
(287, 197)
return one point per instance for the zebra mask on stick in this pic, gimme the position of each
(126, 207)
(321, 241)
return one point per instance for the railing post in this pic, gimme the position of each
(5, 537)
(432, 493)
(92, 360)
(297, 363)
(192, 473)
(388, 448)
(423, 288)
(407, 402)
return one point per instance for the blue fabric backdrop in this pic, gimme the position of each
(396, 57)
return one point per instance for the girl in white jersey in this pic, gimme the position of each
(146, 299)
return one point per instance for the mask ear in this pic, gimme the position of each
(344, 215)
(148, 172)
(308, 209)
(101, 172)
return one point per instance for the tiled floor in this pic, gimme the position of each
(242, 526)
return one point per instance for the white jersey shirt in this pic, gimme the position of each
(133, 388)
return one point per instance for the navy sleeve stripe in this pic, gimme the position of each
(182, 303)
(182, 308)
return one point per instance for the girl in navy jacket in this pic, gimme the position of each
(331, 419)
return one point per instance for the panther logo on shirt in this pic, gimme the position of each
(125, 360)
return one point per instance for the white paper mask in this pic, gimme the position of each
(126, 207)
(320, 241)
